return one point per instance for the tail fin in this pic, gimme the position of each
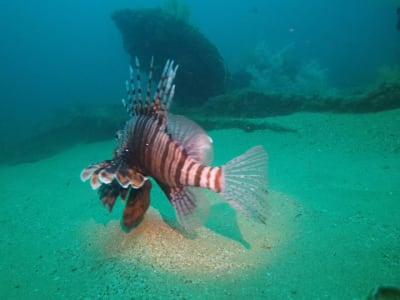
(245, 183)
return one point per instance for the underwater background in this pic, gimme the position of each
(317, 84)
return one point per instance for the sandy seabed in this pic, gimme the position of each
(333, 230)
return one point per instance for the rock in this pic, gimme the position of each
(154, 32)
(384, 293)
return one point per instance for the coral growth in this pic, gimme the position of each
(275, 72)
(384, 97)
(256, 104)
(389, 75)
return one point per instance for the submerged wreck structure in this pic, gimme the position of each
(155, 32)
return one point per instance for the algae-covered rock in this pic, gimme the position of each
(384, 97)
(154, 32)
(250, 104)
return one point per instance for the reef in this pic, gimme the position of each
(250, 103)
(240, 109)
(280, 72)
(275, 83)
(272, 85)
(166, 35)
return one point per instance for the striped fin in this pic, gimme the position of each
(163, 95)
(109, 193)
(92, 172)
(107, 171)
(245, 183)
(137, 204)
(190, 204)
(89, 170)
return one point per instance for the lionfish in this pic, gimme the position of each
(176, 153)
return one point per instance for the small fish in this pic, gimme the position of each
(176, 153)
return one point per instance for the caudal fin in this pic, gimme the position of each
(245, 183)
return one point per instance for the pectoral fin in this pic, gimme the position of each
(109, 170)
(137, 204)
(109, 193)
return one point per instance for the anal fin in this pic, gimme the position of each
(190, 204)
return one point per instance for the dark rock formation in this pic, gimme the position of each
(241, 109)
(153, 32)
(254, 104)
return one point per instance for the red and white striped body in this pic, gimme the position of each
(175, 152)
(157, 154)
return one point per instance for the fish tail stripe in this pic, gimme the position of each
(204, 177)
(218, 179)
(211, 178)
(184, 174)
(197, 175)
(191, 173)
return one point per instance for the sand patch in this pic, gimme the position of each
(219, 248)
